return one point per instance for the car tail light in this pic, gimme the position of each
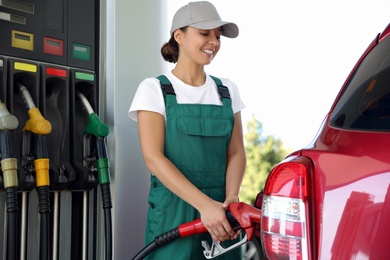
(284, 224)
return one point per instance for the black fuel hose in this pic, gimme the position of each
(9, 122)
(43, 196)
(44, 210)
(106, 200)
(104, 180)
(12, 211)
(9, 166)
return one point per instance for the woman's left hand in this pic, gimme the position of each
(226, 203)
(229, 200)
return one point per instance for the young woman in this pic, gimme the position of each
(191, 136)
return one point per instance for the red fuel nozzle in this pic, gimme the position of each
(191, 228)
(248, 216)
(240, 216)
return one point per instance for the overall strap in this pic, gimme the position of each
(166, 85)
(167, 89)
(223, 91)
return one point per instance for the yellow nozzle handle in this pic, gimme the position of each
(42, 172)
(37, 124)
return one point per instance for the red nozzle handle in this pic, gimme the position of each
(248, 216)
(196, 226)
(239, 214)
(191, 228)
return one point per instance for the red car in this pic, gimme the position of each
(331, 200)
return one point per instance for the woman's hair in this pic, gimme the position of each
(170, 49)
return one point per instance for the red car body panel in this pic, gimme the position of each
(350, 180)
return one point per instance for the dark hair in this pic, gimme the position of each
(170, 49)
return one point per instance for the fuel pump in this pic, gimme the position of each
(96, 156)
(42, 44)
(34, 136)
(54, 105)
(8, 123)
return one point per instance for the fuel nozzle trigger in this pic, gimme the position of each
(217, 249)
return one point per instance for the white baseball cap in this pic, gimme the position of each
(202, 15)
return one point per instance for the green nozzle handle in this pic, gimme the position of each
(103, 167)
(96, 127)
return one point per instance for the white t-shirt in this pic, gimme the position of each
(149, 95)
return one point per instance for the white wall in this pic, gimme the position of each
(133, 41)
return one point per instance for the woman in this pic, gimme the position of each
(191, 136)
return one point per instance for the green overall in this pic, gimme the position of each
(197, 137)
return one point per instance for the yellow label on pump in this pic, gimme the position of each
(22, 40)
(25, 67)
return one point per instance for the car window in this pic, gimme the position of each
(365, 102)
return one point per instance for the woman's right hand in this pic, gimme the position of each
(213, 217)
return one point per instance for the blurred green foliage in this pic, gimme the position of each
(263, 153)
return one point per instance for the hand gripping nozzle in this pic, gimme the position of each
(247, 218)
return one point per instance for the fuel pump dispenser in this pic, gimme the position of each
(3, 98)
(8, 123)
(95, 147)
(35, 132)
(55, 108)
(26, 73)
(84, 188)
(46, 56)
